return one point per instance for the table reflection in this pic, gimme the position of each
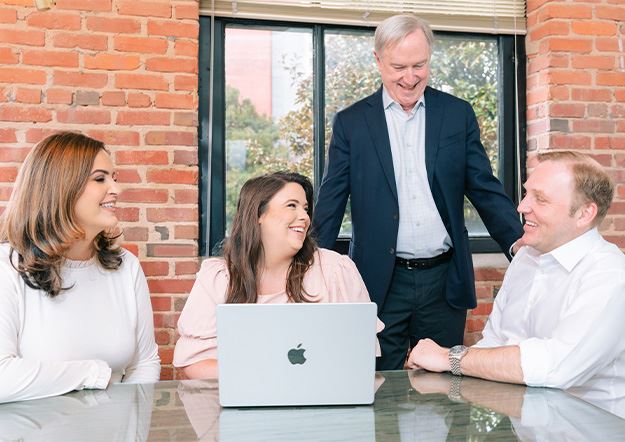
(409, 406)
(120, 413)
(608, 394)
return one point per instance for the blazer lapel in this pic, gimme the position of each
(379, 133)
(433, 124)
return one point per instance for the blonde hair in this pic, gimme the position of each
(39, 222)
(592, 183)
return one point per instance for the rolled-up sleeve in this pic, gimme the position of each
(588, 338)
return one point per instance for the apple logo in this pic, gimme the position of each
(296, 355)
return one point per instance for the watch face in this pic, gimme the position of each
(457, 350)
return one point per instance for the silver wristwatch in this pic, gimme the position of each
(456, 353)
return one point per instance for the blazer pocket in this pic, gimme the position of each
(451, 140)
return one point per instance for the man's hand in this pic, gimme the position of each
(517, 245)
(429, 355)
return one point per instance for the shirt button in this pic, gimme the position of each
(391, 251)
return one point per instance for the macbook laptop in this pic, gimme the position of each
(296, 354)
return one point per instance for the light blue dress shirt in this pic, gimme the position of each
(421, 233)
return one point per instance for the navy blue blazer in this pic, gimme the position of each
(360, 166)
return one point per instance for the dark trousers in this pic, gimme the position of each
(415, 308)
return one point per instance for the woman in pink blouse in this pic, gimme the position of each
(268, 258)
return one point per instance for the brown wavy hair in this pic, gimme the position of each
(39, 222)
(243, 250)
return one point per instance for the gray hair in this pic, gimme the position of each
(396, 28)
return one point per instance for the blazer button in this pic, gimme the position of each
(396, 216)
(391, 251)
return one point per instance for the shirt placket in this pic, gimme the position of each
(538, 289)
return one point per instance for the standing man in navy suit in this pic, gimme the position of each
(407, 155)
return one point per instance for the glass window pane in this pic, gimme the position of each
(269, 120)
(467, 68)
(463, 67)
(351, 74)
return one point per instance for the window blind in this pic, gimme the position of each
(481, 16)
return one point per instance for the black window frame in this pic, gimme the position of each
(211, 132)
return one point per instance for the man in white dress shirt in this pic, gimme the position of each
(558, 318)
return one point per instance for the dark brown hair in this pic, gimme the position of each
(243, 250)
(39, 222)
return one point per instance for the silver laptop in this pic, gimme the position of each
(296, 354)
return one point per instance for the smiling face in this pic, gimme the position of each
(285, 222)
(95, 208)
(547, 205)
(405, 69)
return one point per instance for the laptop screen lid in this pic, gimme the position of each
(296, 354)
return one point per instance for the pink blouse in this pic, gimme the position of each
(331, 278)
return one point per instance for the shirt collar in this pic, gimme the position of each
(387, 101)
(572, 252)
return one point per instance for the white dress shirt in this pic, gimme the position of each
(99, 330)
(564, 309)
(421, 232)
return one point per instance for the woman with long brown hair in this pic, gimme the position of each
(75, 309)
(269, 257)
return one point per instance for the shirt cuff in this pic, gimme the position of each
(99, 376)
(535, 359)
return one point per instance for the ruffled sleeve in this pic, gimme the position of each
(198, 322)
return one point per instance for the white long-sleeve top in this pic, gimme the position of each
(564, 309)
(98, 331)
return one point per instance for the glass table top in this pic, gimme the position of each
(409, 406)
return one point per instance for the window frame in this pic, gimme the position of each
(211, 131)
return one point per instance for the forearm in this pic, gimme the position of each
(501, 364)
(25, 379)
(503, 398)
(206, 369)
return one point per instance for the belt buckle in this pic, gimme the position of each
(409, 266)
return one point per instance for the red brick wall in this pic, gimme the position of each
(576, 87)
(123, 71)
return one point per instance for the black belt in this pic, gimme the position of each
(423, 263)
